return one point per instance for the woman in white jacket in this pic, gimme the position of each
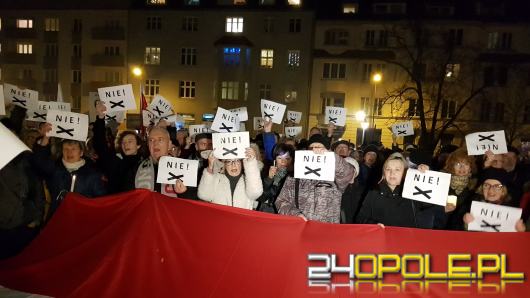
(238, 186)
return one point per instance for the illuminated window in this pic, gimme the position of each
(234, 25)
(452, 71)
(152, 56)
(293, 58)
(156, 2)
(152, 87)
(24, 48)
(187, 89)
(294, 2)
(230, 90)
(24, 23)
(51, 24)
(267, 58)
(232, 56)
(350, 8)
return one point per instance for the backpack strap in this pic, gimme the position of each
(296, 187)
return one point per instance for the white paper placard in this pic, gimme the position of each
(241, 113)
(309, 165)
(119, 116)
(225, 121)
(479, 142)
(24, 98)
(403, 129)
(36, 115)
(54, 105)
(242, 126)
(272, 110)
(2, 101)
(293, 131)
(160, 107)
(92, 97)
(171, 169)
(493, 217)
(11, 146)
(68, 125)
(429, 187)
(336, 116)
(294, 116)
(258, 123)
(118, 98)
(148, 119)
(200, 128)
(230, 145)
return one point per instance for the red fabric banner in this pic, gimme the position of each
(142, 244)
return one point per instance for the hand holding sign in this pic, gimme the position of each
(493, 218)
(403, 129)
(225, 121)
(480, 142)
(335, 115)
(428, 186)
(314, 166)
(230, 145)
(272, 110)
(68, 125)
(118, 98)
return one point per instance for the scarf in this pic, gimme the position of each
(459, 183)
(73, 166)
(233, 182)
(145, 175)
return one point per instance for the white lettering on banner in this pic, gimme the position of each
(430, 187)
(68, 125)
(230, 145)
(493, 218)
(118, 98)
(309, 165)
(273, 110)
(480, 142)
(171, 169)
(403, 129)
(225, 121)
(335, 115)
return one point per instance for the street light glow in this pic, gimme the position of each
(137, 71)
(365, 125)
(360, 116)
(377, 77)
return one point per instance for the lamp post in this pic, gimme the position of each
(361, 116)
(137, 73)
(364, 125)
(376, 78)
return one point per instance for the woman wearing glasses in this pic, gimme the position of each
(239, 185)
(494, 191)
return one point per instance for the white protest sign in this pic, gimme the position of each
(241, 113)
(2, 101)
(336, 116)
(225, 121)
(39, 114)
(430, 187)
(493, 217)
(36, 115)
(24, 98)
(171, 169)
(308, 165)
(403, 129)
(68, 125)
(293, 131)
(118, 116)
(230, 145)
(479, 142)
(148, 119)
(92, 97)
(258, 123)
(118, 98)
(177, 119)
(242, 126)
(160, 107)
(200, 128)
(11, 146)
(272, 110)
(294, 116)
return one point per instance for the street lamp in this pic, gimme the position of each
(137, 71)
(364, 126)
(376, 78)
(360, 116)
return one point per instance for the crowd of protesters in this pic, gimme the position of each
(367, 187)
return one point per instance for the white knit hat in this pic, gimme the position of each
(354, 163)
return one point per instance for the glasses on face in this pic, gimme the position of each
(495, 187)
(231, 162)
(462, 165)
(315, 147)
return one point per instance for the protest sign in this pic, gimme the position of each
(403, 129)
(118, 98)
(293, 131)
(309, 165)
(225, 121)
(68, 125)
(479, 142)
(230, 145)
(294, 116)
(493, 217)
(11, 146)
(171, 169)
(160, 107)
(335, 115)
(429, 187)
(241, 113)
(273, 110)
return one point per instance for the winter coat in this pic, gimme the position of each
(351, 202)
(317, 200)
(455, 218)
(215, 187)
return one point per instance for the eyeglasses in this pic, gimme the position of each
(462, 165)
(495, 187)
(315, 147)
(231, 162)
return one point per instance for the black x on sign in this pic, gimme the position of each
(312, 171)
(174, 177)
(39, 116)
(486, 224)
(62, 130)
(484, 138)
(229, 151)
(422, 192)
(401, 132)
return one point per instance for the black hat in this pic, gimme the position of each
(498, 174)
(318, 138)
(419, 157)
(200, 136)
(370, 148)
(341, 142)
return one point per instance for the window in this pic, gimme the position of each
(232, 56)
(365, 104)
(76, 50)
(367, 72)
(413, 107)
(383, 38)
(294, 2)
(293, 58)
(152, 56)
(456, 36)
(389, 8)
(156, 2)
(234, 25)
(78, 26)
(154, 23)
(76, 103)
(452, 71)
(499, 112)
(76, 76)
(229, 90)
(51, 50)
(51, 24)
(265, 91)
(378, 106)
(112, 24)
(267, 58)
(500, 41)
(192, 2)
(268, 24)
(50, 75)
(295, 25)
(113, 77)
(495, 76)
(290, 96)
(332, 100)
(112, 51)
(485, 108)
(152, 87)
(350, 8)
(369, 39)
(448, 108)
(334, 71)
(336, 37)
(187, 89)
(190, 24)
(24, 48)
(24, 23)
(240, 2)
(188, 56)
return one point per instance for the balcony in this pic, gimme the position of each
(49, 61)
(105, 33)
(14, 58)
(103, 60)
(19, 33)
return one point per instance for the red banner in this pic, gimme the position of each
(142, 244)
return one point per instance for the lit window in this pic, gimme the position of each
(187, 89)
(24, 23)
(156, 2)
(229, 90)
(294, 2)
(293, 58)
(24, 48)
(232, 56)
(452, 71)
(234, 25)
(350, 8)
(152, 87)
(51, 24)
(290, 96)
(267, 57)
(188, 56)
(152, 56)
(240, 2)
